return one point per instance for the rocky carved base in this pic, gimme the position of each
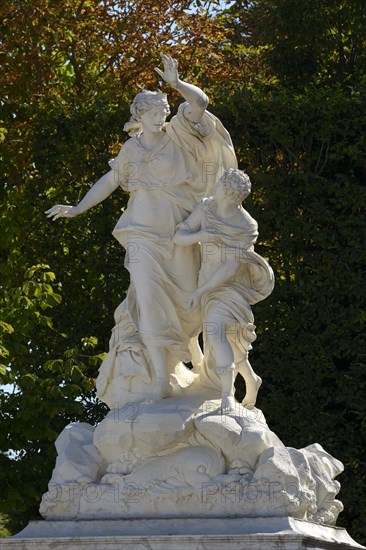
(182, 457)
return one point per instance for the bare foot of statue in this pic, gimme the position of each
(251, 394)
(227, 403)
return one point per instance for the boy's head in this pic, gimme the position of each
(236, 185)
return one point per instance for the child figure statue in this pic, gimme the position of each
(232, 277)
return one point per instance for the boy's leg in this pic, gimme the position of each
(196, 353)
(252, 382)
(227, 387)
(224, 360)
(215, 337)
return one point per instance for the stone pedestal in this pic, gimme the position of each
(181, 534)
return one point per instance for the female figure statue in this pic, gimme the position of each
(167, 168)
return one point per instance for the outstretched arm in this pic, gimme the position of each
(195, 97)
(100, 191)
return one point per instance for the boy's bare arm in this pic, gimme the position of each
(226, 271)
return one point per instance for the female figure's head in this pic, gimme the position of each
(148, 109)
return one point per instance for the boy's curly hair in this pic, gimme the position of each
(236, 184)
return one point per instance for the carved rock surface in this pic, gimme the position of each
(143, 429)
(305, 479)
(183, 457)
(242, 433)
(78, 459)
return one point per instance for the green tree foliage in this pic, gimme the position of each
(287, 79)
(69, 72)
(309, 197)
(300, 129)
(301, 43)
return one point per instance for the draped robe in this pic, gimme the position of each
(165, 183)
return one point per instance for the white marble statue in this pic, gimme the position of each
(231, 278)
(166, 168)
(175, 442)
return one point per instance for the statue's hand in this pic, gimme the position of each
(170, 73)
(62, 211)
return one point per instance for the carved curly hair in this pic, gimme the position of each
(236, 184)
(142, 103)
